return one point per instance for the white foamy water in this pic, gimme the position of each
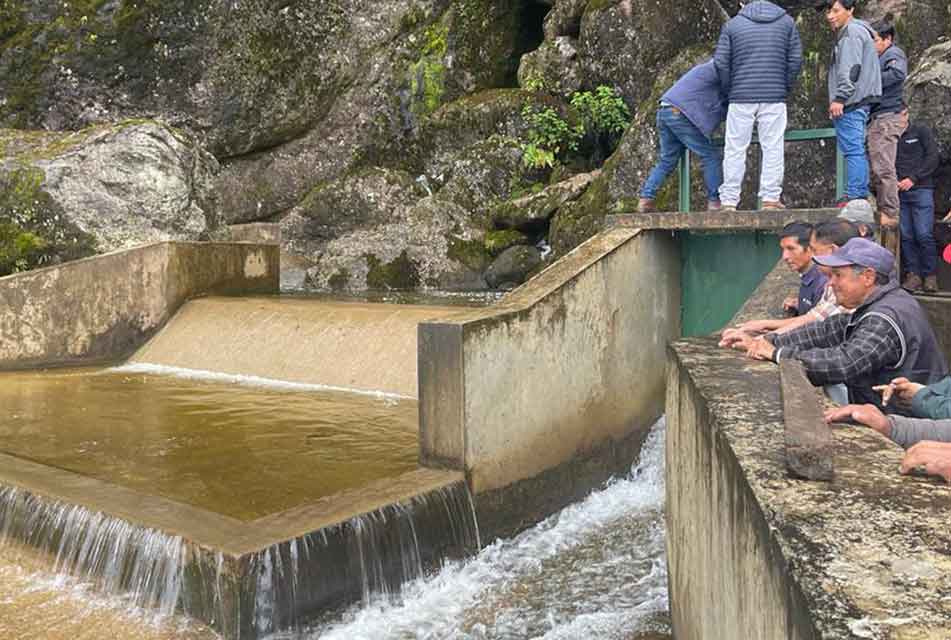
(251, 381)
(596, 569)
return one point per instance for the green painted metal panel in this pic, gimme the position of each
(719, 272)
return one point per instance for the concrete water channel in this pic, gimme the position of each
(209, 460)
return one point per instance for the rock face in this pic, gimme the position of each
(929, 96)
(513, 267)
(112, 186)
(390, 139)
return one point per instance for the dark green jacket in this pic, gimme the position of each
(934, 401)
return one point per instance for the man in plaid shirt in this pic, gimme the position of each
(886, 336)
(826, 238)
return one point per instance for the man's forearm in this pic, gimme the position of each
(909, 431)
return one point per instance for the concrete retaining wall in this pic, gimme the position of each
(571, 360)
(103, 308)
(754, 553)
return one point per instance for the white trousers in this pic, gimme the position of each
(770, 121)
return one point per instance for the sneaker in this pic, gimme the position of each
(713, 205)
(912, 282)
(645, 205)
(772, 204)
(727, 207)
(931, 284)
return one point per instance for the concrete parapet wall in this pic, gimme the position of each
(753, 553)
(569, 361)
(103, 308)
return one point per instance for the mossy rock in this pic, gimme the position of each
(473, 254)
(513, 266)
(498, 241)
(34, 230)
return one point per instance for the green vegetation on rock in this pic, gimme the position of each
(471, 253)
(32, 230)
(498, 241)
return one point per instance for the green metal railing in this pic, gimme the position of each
(796, 135)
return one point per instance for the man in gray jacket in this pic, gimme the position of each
(887, 124)
(855, 84)
(758, 59)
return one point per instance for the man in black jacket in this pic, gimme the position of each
(885, 126)
(915, 163)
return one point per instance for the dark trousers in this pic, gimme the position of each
(918, 247)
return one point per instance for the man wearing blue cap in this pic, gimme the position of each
(886, 336)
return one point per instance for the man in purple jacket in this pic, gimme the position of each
(689, 113)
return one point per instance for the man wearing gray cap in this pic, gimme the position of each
(885, 337)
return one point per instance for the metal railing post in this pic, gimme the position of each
(684, 174)
(840, 173)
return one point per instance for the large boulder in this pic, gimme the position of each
(552, 67)
(513, 267)
(430, 244)
(116, 185)
(620, 40)
(929, 96)
(928, 90)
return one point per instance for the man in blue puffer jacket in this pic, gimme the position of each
(758, 59)
(689, 113)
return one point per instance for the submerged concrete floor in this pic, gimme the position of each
(352, 345)
(869, 552)
(240, 451)
(34, 605)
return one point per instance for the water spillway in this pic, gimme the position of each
(242, 476)
(338, 345)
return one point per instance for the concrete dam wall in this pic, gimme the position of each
(103, 308)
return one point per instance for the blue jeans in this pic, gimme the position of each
(919, 250)
(850, 135)
(676, 132)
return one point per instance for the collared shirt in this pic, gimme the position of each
(829, 359)
(811, 287)
(827, 306)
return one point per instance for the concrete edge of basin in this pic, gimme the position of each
(753, 552)
(214, 531)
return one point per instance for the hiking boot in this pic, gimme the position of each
(931, 284)
(772, 204)
(645, 205)
(713, 205)
(912, 282)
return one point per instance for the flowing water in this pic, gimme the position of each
(596, 569)
(242, 450)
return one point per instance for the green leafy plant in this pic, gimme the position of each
(603, 111)
(549, 136)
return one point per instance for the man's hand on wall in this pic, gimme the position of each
(934, 458)
(867, 414)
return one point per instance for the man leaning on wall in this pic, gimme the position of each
(758, 59)
(886, 336)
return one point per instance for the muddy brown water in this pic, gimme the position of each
(239, 450)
